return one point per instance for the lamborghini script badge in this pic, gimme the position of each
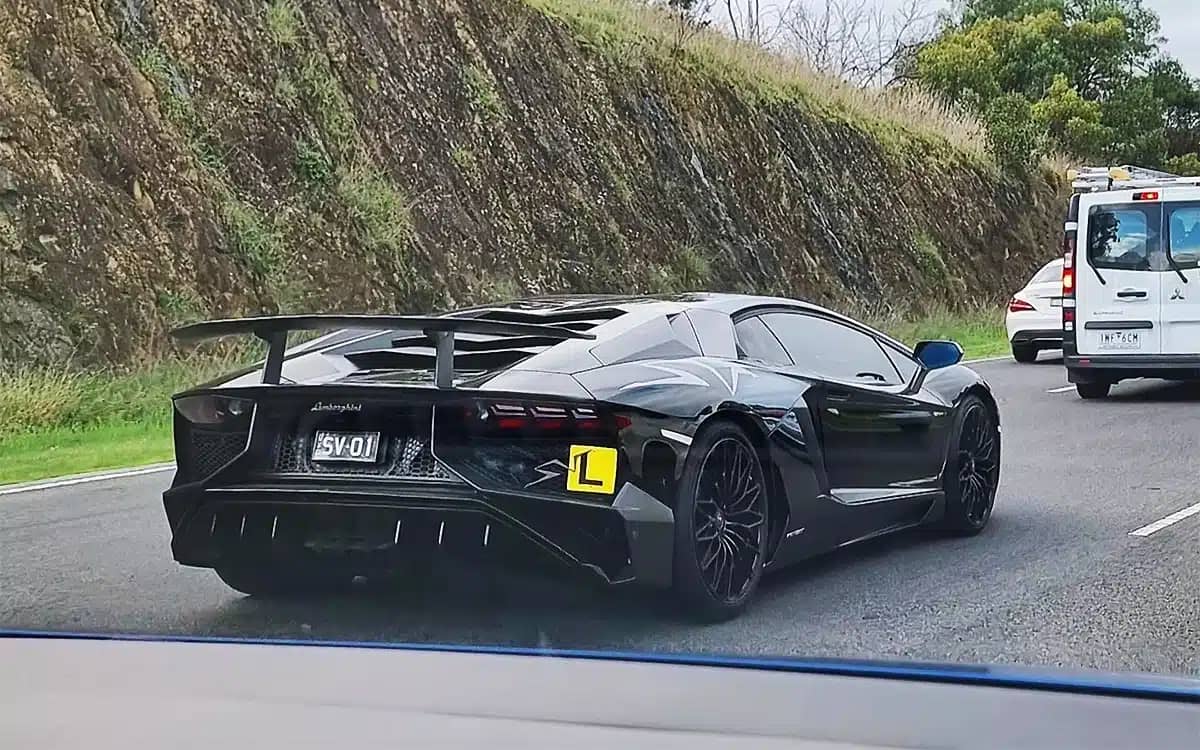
(319, 406)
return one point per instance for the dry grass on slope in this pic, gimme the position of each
(635, 31)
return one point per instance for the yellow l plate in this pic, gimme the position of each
(592, 468)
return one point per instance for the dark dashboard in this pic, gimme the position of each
(121, 693)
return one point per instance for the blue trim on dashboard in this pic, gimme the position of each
(1026, 678)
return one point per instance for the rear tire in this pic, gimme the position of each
(269, 581)
(1025, 353)
(972, 472)
(1092, 390)
(720, 524)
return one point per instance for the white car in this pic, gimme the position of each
(1034, 318)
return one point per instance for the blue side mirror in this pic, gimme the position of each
(938, 354)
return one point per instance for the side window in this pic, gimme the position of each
(1183, 233)
(904, 364)
(714, 329)
(831, 349)
(684, 331)
(755, 341)
(1124, 237)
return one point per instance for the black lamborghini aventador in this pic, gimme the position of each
(689, 442)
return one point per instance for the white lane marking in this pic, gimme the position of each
(987, 359)
(1170, 520)
(51, 484)
(1064, 389)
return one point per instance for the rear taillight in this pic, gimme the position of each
(1019, 305)
(214, 410)
(1068, 274)
(519, 419)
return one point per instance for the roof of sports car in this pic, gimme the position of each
(577, 303)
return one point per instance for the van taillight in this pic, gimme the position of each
(1068, 274)
(1019, 305)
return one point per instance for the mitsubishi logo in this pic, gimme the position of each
(1177, 295)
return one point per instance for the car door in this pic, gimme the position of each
(1180, 306)
(1118, 282)
(875, 431)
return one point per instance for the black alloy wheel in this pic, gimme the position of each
(721, 524)
(973, 471)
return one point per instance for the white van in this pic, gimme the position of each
(1131, 281)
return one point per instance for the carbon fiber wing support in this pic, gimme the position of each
(274, 330)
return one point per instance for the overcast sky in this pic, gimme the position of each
(1180, 24)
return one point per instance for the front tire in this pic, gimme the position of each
(720, 524)
(972, 472)
(1024, 353)
(268, 581)
(1093, 390)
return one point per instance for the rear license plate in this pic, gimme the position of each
(345, 446)
(1120, 339)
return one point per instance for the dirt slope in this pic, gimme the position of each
(164, 160)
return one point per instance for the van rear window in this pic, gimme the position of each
(1125, 236)
(1183, 234)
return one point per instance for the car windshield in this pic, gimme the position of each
(624, 326)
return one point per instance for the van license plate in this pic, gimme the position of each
(345, 446)
(1120, 339)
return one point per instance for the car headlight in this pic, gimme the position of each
(213, 410)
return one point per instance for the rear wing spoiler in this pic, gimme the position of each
(274, 330)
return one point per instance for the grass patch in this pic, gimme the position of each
(282, 19)
(929, 258)
(286, 91)
(464, 159)
(180, 307)
(380, 209)
(54, 422)
(482, 92)
(59, 452)
(313, 165)
(255, 240)
(980, 332)
(329, 102)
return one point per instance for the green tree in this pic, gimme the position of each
(1069, 124)
(1091, 73)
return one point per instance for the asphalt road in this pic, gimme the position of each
(1057, 579)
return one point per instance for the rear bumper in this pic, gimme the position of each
(1087, 368)
(1033, 321)
(364, 528)
(1040, 337)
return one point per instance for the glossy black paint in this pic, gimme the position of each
(845, 460)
